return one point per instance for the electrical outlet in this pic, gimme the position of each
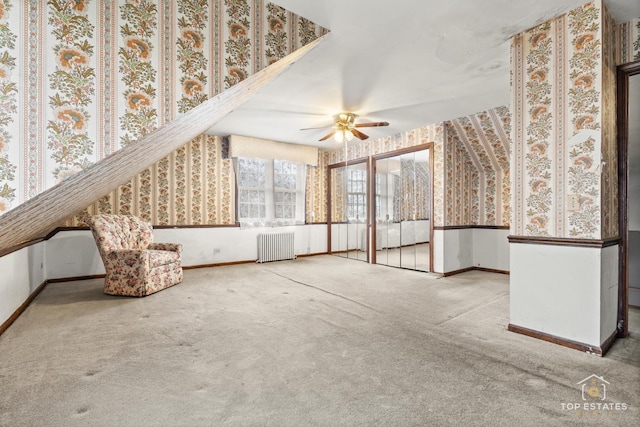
(216, 251)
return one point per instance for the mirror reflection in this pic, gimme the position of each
(402, 204)
(348, 214)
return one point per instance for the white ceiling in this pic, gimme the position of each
(408, 62)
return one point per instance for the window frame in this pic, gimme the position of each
(270, 190)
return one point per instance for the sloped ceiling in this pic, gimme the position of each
(41, 214)
(408, 62)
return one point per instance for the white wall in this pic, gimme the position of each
(74, 253)
(491, 249)
(21, 273)
(609, 290)
(567, 292)
(437, 247)
(220, 245)
(455, 250)
(458, 249)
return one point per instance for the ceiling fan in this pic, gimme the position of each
(344, 128)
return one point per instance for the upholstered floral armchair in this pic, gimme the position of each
(135, 266)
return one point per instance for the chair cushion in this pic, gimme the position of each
(159, 258)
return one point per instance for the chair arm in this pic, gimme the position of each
(131, 258)
(174, 247)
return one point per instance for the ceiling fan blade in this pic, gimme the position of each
(358, 134)
(371, 125)
(327, 136)
(319, 127)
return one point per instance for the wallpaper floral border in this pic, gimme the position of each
(540, 138)
(192, 24)
(238, 45)
(72, 86)
(137, 72)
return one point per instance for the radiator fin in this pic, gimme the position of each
(275, 246)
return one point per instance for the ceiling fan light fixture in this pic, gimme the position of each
(346, 119)
(348, 135)
(344, 128)
(343, 135)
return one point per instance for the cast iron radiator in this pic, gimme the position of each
(275, 247)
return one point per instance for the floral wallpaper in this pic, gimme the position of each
(201, 166)
(462, 193)
(439, 179)
(411, 195)
(338, 195)
(238, 45)
(357, 149)
(610, 225)
(8, 108)
(72, 84)
(137, 71)
(192, 61)
(276, 42)
(627, 37)
(485, 137)
(316, 191)
(471, 166)
(95, 75)
(561, 134)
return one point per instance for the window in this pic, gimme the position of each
(252, 199)
(270, 192)
(357, 194)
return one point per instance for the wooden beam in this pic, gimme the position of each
(39, 215)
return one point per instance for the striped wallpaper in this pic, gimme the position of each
(84, 78)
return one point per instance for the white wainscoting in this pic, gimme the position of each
(568, 292)
(22, 272)
(459, 249)
(74, 254)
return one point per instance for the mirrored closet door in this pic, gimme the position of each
(349, 210)
(402, 203)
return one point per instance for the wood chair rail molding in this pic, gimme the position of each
(465, 227)
(38, 216)
(561, 241)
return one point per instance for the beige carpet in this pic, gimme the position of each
(320, 341)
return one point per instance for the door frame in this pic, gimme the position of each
(623, 73)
